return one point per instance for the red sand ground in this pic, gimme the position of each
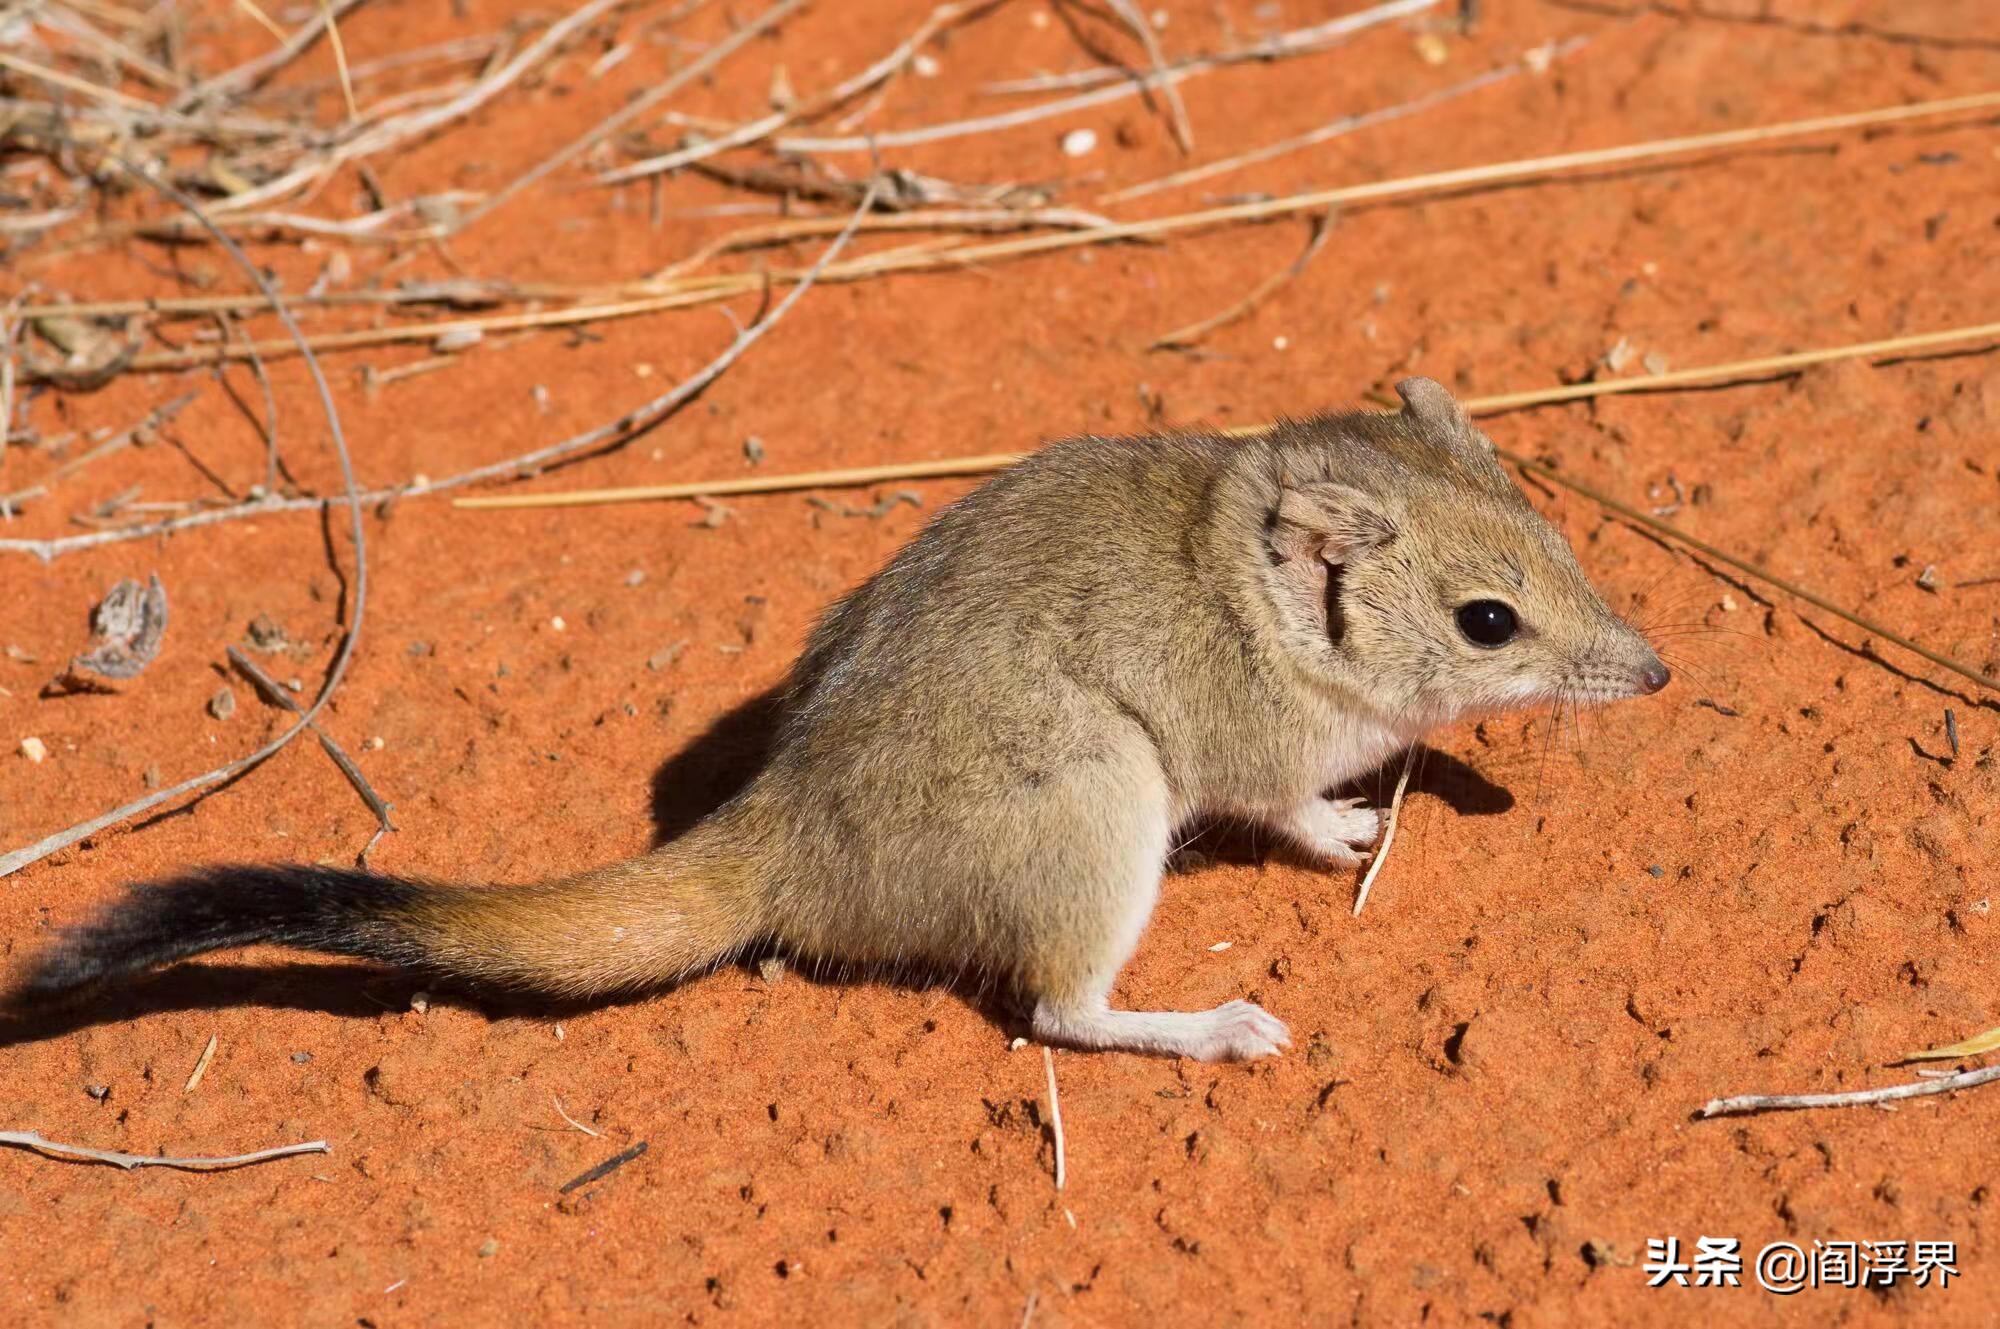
(1488, 1111)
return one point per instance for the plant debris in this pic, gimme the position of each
(127, 625)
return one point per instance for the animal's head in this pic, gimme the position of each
(1410, 568)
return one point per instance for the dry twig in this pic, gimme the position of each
(1161, 79)
(201, 1066)
(1192, 334)
(1346, 124)
(400, 128)
(945, 16)
(1746, 1103)
(1055, 1117)
(249, 76)
(1128, 13)
(78, 1153)
(698, 68)
(269, 689)
(572, 1120)
(1388, 832)
(1299, 41)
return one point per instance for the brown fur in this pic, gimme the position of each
(988, 747)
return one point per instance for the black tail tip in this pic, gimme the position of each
(59, 977)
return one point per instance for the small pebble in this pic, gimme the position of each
(1079, 142)
(420, 1002)
(100, 1092)
(1656, 364)
(1728, 603)
(1431, 49)
(925, 66)
(1656, 871)
(636, 577)
(489, 1248)
(1221, 946)
(222, 705)
(34, 749)
(771, 969)
(376, 743)
(556, 624)
(753, 450)
(1017, 1045)
(1280, 343)
(301, 1058)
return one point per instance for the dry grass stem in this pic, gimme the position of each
(1347, 124)
(1193, 333)
(699, 68)
(1388, 832)
(943, 17)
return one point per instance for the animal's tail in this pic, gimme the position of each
(637, 924)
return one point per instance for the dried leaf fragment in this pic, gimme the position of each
(128, 626)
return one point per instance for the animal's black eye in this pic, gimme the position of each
(1487, 623)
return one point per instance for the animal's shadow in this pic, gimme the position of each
(685, 788)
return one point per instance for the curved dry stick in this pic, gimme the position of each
(1388, 831)
(245, 77)
(943, 17)
(77, 1153)
(1183, 128)
(1333, 129)
(1163, 79)
(1746, 1103)
(638, 106)
(390, 132)
(20, 858)
(1055, 1117)
(1278, 46)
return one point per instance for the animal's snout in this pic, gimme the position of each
(1654, 676)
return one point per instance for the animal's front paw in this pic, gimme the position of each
(1337, 829)
(1241, 1031)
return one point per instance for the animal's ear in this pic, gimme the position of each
(1330, 522)
(1426, 402)
(1437, 416)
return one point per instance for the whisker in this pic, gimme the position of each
(1681, 664)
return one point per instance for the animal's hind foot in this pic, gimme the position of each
(1233, 1031)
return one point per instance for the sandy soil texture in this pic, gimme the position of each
(1775, 876)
